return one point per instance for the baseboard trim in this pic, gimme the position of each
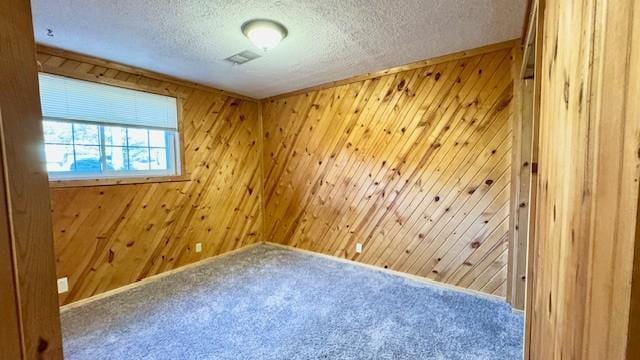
(154, 278)
(396, 273)
(517, 311)
(202, 262)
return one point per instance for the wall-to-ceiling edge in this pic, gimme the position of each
(411, 162)
(121, 234)
(107, 237)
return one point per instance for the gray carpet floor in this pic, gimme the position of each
(267, 302)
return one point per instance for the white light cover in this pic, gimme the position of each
(264, 34)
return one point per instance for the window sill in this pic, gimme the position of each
(116, 181)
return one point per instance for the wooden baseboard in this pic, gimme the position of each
(153, 278)
(157, 277)
(517, 311)
(396, 273)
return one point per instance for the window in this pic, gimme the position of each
(100, 131)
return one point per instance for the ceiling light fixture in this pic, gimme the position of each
(264, 34)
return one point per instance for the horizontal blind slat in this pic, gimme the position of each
(66, 98)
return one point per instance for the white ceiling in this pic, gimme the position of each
(328, 40)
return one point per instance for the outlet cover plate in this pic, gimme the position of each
(63, 285)
(359, 248)
(198, 247)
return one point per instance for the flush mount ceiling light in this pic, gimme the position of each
(264, 34)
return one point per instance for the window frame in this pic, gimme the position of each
(125, 177)
(171, 149)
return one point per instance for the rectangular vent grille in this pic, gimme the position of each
(242, 57)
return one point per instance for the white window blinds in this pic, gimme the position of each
(71, 99)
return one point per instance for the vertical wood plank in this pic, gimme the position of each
(587, 209)
(26, 185)
(10, 332)
(633, 338)
(516, 156)
(521, 185)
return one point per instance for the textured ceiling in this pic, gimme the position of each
(328, 40)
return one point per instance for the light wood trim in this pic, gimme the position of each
(127, 68)
(137, 179)
(415, 65)
(531, 4)
(101, 79)
(116, 181)
(522, 183)
(393, 272)
(538, 46)
(108, 64)
(529, 40)
(633, 341)
(181, 141)
(25, 185)
(10, 330)
(206, 261)
(616, 111)
(587, 207)
(525, 194)
(516, 155)
(262, 153)
(153, 278)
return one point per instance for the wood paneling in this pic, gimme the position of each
(110, 65)
(110, 236)
(10, 332)
(415, 165)
(29, 321)
(532, 66)
(586, 220)
(521, 183)
(402, 68)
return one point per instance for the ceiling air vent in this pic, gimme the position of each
(242, 57)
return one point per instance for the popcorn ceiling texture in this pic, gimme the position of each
(328, 40)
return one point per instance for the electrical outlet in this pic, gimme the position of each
(198, 247)
(358, 248)
(63, 285)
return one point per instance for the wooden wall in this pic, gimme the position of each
(589, 165)
(110, 236)
(29, 317)
(523, 176)
(415, 165)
